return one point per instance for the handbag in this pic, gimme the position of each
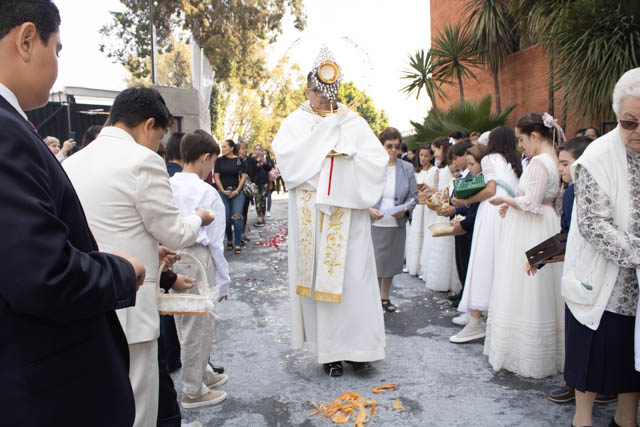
(468, 186)
(249, 189)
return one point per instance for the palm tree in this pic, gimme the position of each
(467, 116)
(536, 21)
(492, 36)
(454, 56)
(420, 72)
(592, 50)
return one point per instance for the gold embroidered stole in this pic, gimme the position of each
(333, 254)
(328, 263)
(306, 209)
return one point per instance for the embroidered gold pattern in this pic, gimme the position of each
(327, 297)
(334, 241)
(303, 291)
(306, 234)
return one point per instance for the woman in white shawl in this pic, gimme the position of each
(599, 282)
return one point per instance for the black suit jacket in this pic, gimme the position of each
(64, 358)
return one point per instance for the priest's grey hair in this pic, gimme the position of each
(628, 85)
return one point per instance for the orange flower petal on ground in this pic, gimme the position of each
(349, 396)
(397, 405)
(383, 388)
(341, 418)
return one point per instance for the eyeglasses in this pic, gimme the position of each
(628, 124)
(390, 146)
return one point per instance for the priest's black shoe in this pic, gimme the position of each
(333, 369)
(360, 367)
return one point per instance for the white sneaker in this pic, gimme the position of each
(218, 380)
(461, 320)
(185, 423)
(268, 213)
(474, 330)
(213, 397)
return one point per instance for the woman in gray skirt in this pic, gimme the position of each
(388, 231)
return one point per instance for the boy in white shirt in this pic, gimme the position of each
(190, 191)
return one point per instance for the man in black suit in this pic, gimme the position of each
(63, 355)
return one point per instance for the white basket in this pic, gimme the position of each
(183, 303)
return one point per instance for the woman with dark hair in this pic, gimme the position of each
(438, 263)
(525, 331)
(388, 231)
(427, 181)
(230, 174)
(501, 168)
(259, 167)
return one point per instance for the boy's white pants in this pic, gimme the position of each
(196, 335)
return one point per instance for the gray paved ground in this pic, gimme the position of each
(440, 384)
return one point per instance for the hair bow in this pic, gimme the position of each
(552, 123)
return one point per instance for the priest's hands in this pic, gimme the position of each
(138, 267)
(375, 214)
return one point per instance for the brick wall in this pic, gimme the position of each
(524, 80)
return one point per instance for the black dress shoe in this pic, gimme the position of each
(360, 367)
(333, 369)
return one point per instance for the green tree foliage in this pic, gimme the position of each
(592, 50)
(254, 115)
(233, 33)
(420, 76)
(467, 116)
(349, 94)
(492, 36)
(455, 58)
(173, 68)
(592, 43)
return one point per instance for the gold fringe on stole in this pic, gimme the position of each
(327, 297)
(303, 291)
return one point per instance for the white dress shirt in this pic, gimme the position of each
(191, 193)
(6, 93)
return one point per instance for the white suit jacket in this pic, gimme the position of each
(125, 192)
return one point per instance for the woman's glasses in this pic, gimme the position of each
(628, 124)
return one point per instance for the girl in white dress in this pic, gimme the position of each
(501, 168)
(525, 329)
(427, 180)
(438, 254)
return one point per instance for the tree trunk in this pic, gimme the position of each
(496, 87)
(461, 88)
(434, 107)
(551, 109)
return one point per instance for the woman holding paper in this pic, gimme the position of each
(389, 216)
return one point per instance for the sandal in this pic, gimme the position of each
(387, 306)
(238, 250)
(229, 246)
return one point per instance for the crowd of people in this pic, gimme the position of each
(574, 313)
(91, 234)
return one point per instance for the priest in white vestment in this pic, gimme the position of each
(335, 168)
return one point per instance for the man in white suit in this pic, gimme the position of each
(124, 188)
